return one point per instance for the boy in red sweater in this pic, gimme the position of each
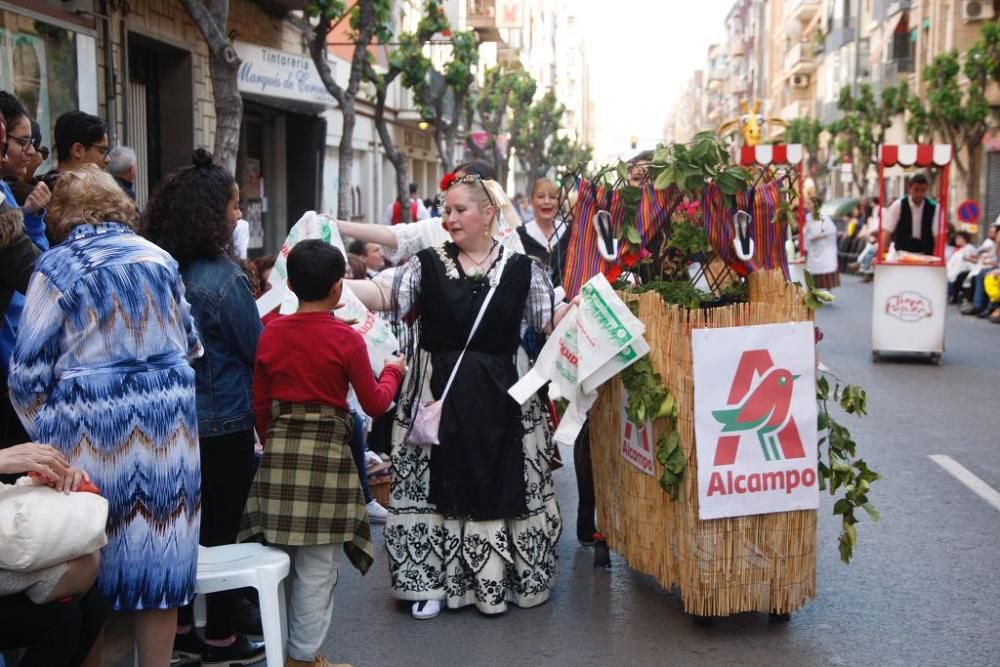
(306, 497)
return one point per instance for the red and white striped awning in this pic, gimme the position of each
(771, 154)
(920, 155)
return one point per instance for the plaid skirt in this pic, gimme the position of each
(307, 491)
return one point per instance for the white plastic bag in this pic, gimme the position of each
(41, 527)
(593, 343)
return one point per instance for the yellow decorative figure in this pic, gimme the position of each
(749, 124)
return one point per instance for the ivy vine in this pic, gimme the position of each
(648, 399)
(838, 466)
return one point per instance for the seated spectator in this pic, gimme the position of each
(982, 305)
(986, 260)
(867, 258)
(962, 260)
(54, 613)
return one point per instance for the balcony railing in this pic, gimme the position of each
(827, 112)
(481, 16)
(801, 59)
(837, 37)
(801, 10)
(896, 71)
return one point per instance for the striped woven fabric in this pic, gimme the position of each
(653, 211)
(583, 261)
(761, 202)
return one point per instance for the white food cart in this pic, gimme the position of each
(910, 298)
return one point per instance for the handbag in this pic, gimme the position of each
(41, 527)
(426, 419)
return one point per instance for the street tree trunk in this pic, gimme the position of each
(346, 96)
(396, 156)
(211, 17)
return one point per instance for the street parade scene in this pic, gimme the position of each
(499, 332)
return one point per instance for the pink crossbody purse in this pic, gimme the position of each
(426, 420)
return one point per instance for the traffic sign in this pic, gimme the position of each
(969, 211)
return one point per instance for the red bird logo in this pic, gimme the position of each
(764, 410)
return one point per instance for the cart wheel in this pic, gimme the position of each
(602, 555)
(779, 618)
(936, 358)
(704, 621)
(875, 357)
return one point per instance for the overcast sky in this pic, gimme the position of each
(641, 54)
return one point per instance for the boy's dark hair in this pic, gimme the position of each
(413, 188)
(77, 127)
(357, 248)
(918, 178)
(11, 108)
(965, 235)
(314, 267)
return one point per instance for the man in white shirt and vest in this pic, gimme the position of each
(394, 211)
(911, 221)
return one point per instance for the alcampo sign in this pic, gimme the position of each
(755, 419)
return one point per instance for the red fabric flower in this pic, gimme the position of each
(446, 182)
(630, 259)
(612, 273)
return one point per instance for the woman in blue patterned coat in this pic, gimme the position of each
(101, 371)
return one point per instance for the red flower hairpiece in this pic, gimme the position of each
(612, 273)
(446, 182)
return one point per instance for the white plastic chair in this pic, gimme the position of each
(250, 565)
(255, 566)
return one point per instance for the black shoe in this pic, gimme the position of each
(969, 309)
(246, 618)
(188, 645)
(239, 653)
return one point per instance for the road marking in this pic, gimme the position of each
(962, 474)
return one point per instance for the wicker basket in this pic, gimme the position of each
(380, 489)
(763, 563)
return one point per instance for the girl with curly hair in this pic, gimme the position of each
(192, 216)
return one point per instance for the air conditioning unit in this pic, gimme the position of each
(800, 81)
(977, 10)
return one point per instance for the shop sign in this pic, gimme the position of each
(755, 419)
(510, 14)
(909, 306)
(281, 75)
(637, 441)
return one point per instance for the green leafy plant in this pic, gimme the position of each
(814, 297)
(648, 399)
(839, 469)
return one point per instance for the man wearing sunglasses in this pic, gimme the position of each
(80, 138)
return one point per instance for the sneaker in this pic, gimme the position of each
(188, 645)
(239, 653)
(426, 609)
(376, 513)
(969, 309)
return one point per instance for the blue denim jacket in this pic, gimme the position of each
(226, 315)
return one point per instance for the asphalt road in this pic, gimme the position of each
(923, 588)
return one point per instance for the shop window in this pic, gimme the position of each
(38, 65)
